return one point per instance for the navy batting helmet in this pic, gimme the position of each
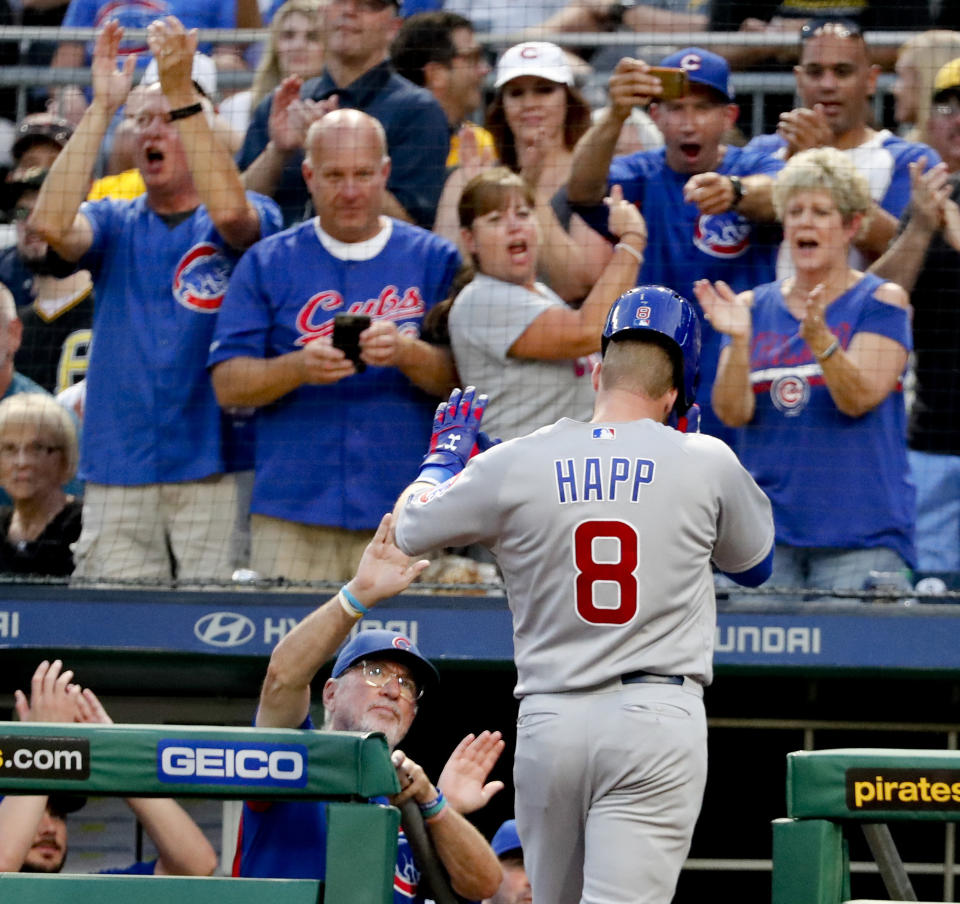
(660, 315)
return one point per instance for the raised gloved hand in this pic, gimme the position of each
(456, 436)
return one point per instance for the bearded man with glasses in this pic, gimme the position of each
(376, 683)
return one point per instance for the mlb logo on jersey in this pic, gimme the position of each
(605, 432)
(200, 278)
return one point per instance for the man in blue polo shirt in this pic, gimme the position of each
(358, 75)
(702, 199)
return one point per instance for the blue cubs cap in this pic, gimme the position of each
(507, 841)
(382, 644)
(703, 68)
(658, 314)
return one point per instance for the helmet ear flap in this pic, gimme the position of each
(661, 315)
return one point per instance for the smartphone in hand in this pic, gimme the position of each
(675, 81)
(346, 336)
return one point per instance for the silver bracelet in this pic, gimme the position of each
(829, 350)
(632, 251)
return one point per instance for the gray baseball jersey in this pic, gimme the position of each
(488, 316)
(604, 534)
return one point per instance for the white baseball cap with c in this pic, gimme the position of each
(539, 58)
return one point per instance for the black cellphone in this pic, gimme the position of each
(346, 336)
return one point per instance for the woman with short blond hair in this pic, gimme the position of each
(38, 455)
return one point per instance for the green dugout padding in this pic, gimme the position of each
(876, 785)
(346, 768)
(191, 761)
(24, 889)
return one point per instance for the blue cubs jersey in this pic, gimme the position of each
(140, 13)
(150, 413)
(336, 455)
(833, 480)
(684, 246)
(288, 840)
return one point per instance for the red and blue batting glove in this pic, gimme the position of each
(687, 423)
(456, 436)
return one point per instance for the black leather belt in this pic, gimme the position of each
(642, 677)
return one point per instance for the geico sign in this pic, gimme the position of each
(232, 763)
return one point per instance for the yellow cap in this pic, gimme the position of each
(948, 77)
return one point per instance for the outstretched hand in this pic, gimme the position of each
(725, 311)
(625, 218)
(173, 47)
(90, 709)
(384, 570)
(110, 84)
(53, 695)
(464, 777)
(929, 192)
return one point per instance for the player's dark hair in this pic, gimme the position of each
(575, 125)
(425, 38)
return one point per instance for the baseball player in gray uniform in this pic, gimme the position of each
(605, 532)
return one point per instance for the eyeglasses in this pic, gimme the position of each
(367, 6)
(142, 121)
(35, 449)
(948, 108)
(474, 56)
(840, 28)
(20, 214)
(377, 674)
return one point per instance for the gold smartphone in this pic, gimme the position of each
(675, 82)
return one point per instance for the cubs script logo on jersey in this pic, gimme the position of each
(725, 235)
(200, 278)
(315, 318)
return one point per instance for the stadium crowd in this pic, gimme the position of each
(250, 302)
(231, 316)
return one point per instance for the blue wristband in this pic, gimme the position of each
(432, 808)
(353, 601)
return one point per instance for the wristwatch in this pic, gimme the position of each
(617, 10)
(739, 192)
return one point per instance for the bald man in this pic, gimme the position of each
(337, 429)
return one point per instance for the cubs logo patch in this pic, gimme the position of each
(790, 394)
(401, 643)
(132, 14)
(725, 235)
(437, 491)
(200, 278)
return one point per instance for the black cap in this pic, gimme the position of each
(40, 127)
(62, 804)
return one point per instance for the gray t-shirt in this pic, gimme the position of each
(488, 316)
(604, 534)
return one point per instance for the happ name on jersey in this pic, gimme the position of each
(597, 479)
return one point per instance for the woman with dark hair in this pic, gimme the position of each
(536, 118)
(511, 335)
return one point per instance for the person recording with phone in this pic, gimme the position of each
(702, 199)
(339, 404)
